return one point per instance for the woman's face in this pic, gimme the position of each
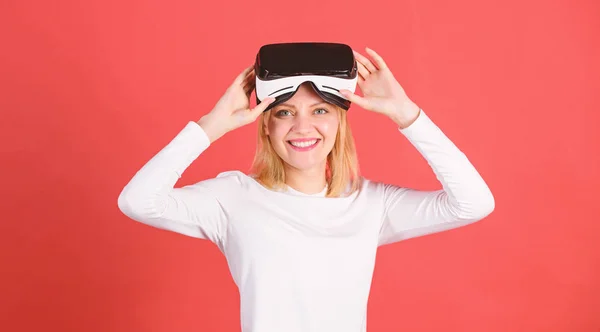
(303, 129)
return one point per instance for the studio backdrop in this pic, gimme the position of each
(91, 90)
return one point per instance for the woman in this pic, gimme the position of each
(301, 232)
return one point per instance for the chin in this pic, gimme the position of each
(305, 165)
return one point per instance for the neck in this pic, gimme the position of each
(309, 182)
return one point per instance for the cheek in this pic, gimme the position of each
(328, 128)
(277, 130)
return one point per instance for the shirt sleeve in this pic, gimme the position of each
(193, 210)
(465, 197)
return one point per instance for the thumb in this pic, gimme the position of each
(258, 109)
(354, 98)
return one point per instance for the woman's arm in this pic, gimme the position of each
(150, 196)
(464, 199)
(195, 210)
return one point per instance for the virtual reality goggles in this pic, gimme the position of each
(328, 67)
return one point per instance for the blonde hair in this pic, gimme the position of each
(342, 172)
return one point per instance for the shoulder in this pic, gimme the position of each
(370, 186)
(233, 175)
(379, 189)
(225, 182)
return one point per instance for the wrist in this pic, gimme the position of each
(407, 115)
(212, 129)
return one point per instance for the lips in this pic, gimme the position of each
(304, 144)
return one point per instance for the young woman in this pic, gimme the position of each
(300, 233)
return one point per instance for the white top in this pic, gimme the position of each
(304, 262)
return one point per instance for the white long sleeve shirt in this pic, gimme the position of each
(304, 262)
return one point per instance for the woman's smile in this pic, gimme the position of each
(304, 144)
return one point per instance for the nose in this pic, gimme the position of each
(302, 123)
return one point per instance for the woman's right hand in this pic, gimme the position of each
(233, 109)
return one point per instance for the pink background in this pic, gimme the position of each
(91, 90)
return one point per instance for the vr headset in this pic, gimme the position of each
(328, 67)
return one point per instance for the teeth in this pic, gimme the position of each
(303, 144)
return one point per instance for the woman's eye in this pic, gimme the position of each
(283, 113)
(321, 111)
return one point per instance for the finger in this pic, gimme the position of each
(249, 81)
(358, 100)
(377, 58)
(256, 111)
(364, 73)
(242, 76)
(249, 88)
(361, 79)
(250, 77)
(365, 62)
(250, 74)
(360, 82)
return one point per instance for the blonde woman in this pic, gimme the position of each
(300, 232)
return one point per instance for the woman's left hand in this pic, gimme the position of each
(381, 91)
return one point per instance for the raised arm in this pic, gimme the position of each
(195, 210)
(150, 196)
(463, 199)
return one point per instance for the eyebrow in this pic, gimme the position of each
(294, 107)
